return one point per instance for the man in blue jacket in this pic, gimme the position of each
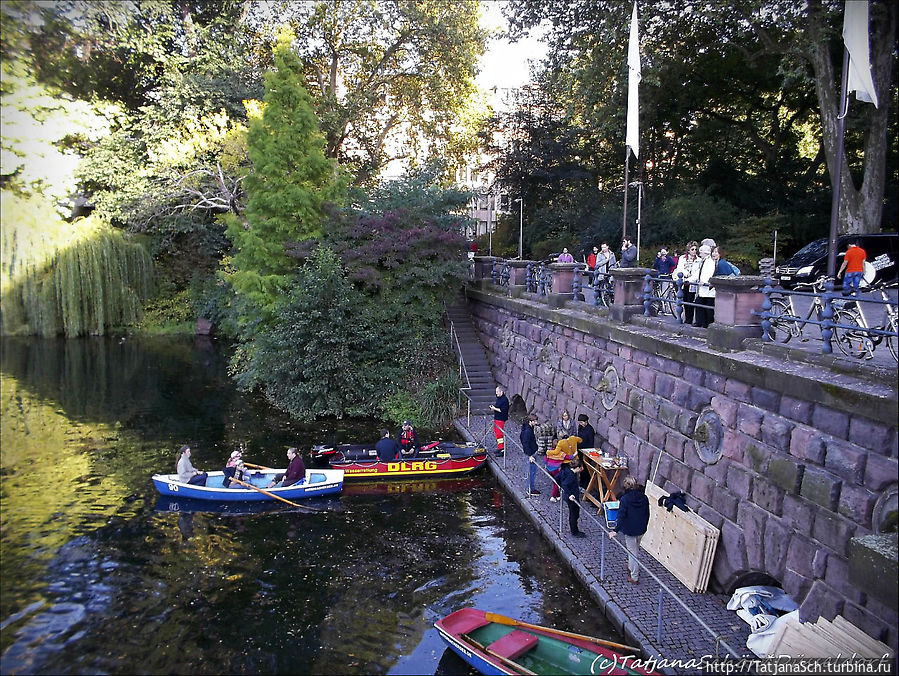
(388, 450)
(633, 518)
(529, 446)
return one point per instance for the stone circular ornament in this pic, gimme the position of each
(708, 435)
(886, 511)
(608, 388)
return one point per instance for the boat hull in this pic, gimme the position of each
(494, 648)
(360, 462)
(317, 482)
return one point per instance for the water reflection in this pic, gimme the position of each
(101, 575)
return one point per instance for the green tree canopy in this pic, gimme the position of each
(289, 186)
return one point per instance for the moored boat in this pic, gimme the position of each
(317, 482)
(495, 644)
(443, 459)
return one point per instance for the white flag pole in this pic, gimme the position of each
(632, 135)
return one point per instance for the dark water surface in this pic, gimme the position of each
(100, 575)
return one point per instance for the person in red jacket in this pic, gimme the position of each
(854, 265)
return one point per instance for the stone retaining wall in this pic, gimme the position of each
(787, 460)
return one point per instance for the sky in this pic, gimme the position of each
(505, 64)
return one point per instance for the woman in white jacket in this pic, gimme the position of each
(685, 265)
(703, 271)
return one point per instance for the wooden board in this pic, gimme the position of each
(825, 639)
(683, 542)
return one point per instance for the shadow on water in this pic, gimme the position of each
(101, 575)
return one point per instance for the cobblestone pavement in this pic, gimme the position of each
(601, 565)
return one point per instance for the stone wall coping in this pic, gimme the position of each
(737, 282)
(851, 393)
(519, 264)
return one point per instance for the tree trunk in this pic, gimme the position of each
(860, 209)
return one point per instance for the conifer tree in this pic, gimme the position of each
(290, 182)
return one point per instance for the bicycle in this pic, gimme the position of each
(861, 342)
(786, 324)
(664, 296)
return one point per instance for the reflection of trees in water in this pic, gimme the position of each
(122, 380)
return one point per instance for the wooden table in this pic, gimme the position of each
(603, 475)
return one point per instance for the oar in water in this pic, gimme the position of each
(508, 621)
(272, 495)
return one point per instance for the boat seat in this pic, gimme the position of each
(513, 644)
(465, 623)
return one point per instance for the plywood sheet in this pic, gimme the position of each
(681, 541)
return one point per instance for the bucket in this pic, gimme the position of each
(611, 510)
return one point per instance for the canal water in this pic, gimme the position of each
(101, 575)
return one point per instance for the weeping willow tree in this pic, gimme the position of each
(67, 278)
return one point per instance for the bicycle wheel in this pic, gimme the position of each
(669, 300)
(784, 324)
(891, 340)
(853, 342)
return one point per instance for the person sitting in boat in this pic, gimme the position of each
(234, 469)
(408, 440)
(388, 450)
(296, 470)
(187, 472)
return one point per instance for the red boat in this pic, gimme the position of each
(496, 644)
(437, 459)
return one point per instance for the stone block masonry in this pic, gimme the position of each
(787, 458)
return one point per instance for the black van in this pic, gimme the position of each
(810, 262)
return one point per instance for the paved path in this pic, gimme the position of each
(601, 565)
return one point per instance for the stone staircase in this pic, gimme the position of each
(482, 392)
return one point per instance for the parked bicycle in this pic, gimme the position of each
(663, 300)
(786, 324)
(861, 342)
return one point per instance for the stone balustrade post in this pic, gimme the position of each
(518, 277)
(563, 276)
(483, 268)
(736, 299)
(628, 299)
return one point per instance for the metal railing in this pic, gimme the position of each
(664, 589)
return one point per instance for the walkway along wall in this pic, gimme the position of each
(794, 463)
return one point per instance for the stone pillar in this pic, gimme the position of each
(563, 276)
(736, 298)
(518, 271)
(483, 265)
(628, 292)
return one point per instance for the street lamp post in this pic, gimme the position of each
(520, 200)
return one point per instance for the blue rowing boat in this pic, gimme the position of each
(317, 482)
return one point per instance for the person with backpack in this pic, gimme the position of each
(632, 522)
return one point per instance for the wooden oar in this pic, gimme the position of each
(508, 621)
(268, 493)
(505, 660)
(252, 466)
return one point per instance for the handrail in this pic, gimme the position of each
(663, 588)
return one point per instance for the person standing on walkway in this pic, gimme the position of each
(500, 410)
(571, 494)
(564, 426)
(585, 431)
(529, 446)
(565, 257)
(591, 259)
(564, 451)
(705, 292)
(854, 265)
(628, 253)
(685, 265)
(633, 519)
